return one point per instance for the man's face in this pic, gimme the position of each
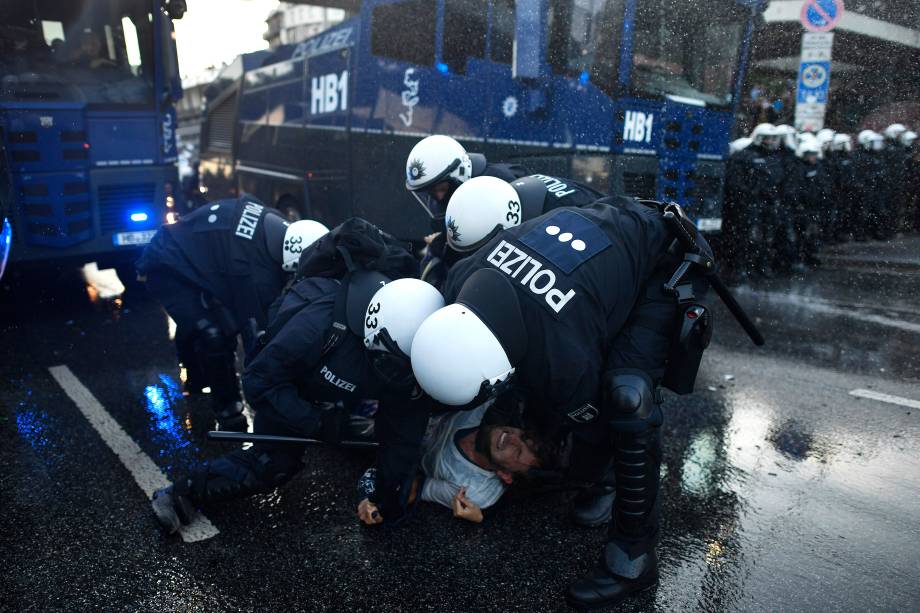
(511, 451)
(440, 191)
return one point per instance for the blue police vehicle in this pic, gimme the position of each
(87, 125)
(629, 96)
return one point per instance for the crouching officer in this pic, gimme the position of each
(331, 341)
(483, 206)
(579, 311)
(216, 271)
(436, 167)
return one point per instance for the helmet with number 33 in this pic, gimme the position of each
(478, 210)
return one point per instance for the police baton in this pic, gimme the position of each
(674, 217)
(249, 437)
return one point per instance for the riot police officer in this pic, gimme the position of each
(869, 169)
(908, 139)
(216, 271)
(807, 196)
(753, 183)
(333, 341)
(568, 312)
(895, 159)
(482, 206)
(840, 169)
(438, 165)
(435, 168)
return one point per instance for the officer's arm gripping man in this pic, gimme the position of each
(399, 427)
(270, 380)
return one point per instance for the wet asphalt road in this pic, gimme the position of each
(781, 490)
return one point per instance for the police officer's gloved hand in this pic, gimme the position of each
(333, 423)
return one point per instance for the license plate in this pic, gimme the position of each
(709, 224)
(123, 239)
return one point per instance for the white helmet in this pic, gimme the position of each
(478, 210)
(434, 159)
(465, 353)
(864, 137)
(907, 138)
(895, 130)
(842, 142)
(788, 136)
(396, 311)
(297, 238)
(765, 134)
(738, 144)
(825, 137)
(808, 146)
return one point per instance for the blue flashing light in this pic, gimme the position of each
(583, 77)
(139, 217)
(442, 67)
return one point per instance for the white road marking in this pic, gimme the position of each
(824, 307)
(872, 395)
(145, 472)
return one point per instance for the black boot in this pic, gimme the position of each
(172, 509)
(230, 416)
(593, 507)
(616, 578)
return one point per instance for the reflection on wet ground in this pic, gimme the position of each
(850, 320)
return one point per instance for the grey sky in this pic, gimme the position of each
(216, 31)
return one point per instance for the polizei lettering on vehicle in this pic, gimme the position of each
(339, 382)
(249, 220)
(531, 273)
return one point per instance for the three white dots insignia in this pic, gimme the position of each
(565, 237)
(212, 217)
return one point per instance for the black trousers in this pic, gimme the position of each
(213, 366)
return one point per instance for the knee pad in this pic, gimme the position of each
(631, 401)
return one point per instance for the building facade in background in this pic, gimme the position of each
(291, 22)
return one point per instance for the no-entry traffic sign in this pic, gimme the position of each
(821, 15)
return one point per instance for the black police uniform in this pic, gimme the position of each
(896, 167)
(807, 195)
(598, 331)
(753, 185)
(869, 214)
(216, 271)
(840, 167)
(293, 384)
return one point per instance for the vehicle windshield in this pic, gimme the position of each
(584, 40)
(681, 50)
(76, 51)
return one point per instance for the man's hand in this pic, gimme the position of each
(431, 238)
(368, 513)
(464, 508)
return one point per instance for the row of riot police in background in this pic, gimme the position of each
(787, 194)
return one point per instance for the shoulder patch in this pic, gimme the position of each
(567, 240)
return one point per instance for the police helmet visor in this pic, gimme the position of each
(425, 195)
(6, 239)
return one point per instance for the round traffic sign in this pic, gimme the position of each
(814, 76)
(821, 15)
